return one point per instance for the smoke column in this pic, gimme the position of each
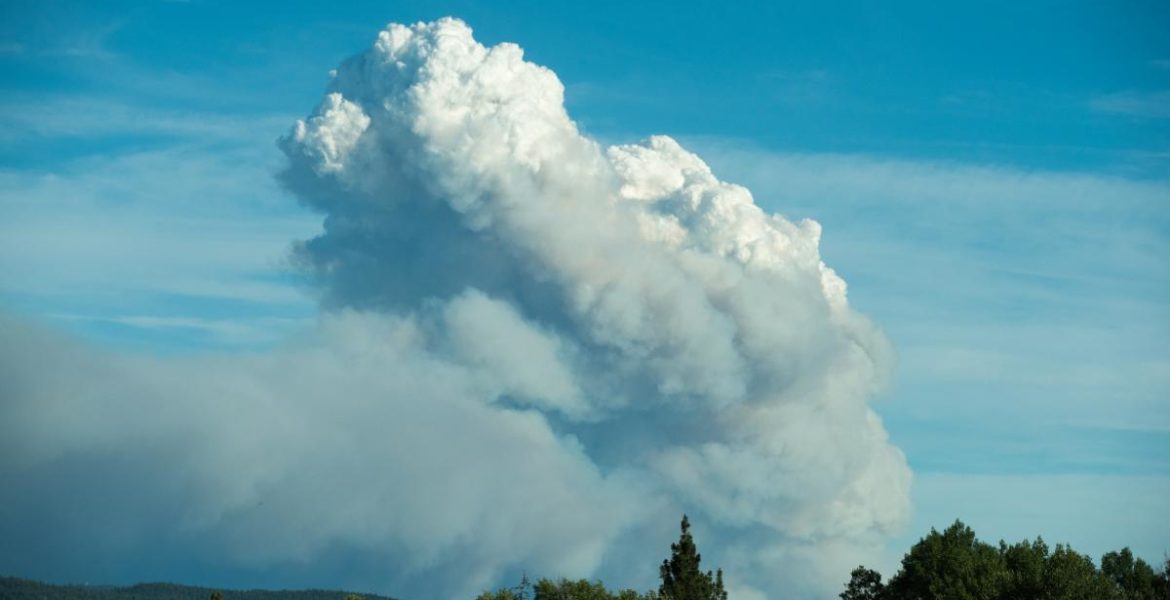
(534, 353)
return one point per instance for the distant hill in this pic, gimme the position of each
(12, 588)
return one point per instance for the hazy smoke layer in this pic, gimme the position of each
(535, 353)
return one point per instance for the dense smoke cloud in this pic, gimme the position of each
(534, 353)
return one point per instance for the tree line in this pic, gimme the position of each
(956, 565)
(949, 565)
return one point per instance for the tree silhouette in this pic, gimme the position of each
(682, 579)
(955, 565)
(864, 584)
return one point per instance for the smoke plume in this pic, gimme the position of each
(534, 353)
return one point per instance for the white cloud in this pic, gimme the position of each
(679, 293)
(560, 346)
(186, 221)
(556, 347)
(638, 253)
(1150, 105)
(1029, 310)
(360, 437)
(521, 360)
(1041, 292)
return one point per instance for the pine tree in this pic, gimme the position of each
(682, 579)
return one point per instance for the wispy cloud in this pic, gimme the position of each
(799, 87)
(108, 237)
(1038, 296)
(83, 41)
(91, 117)
(1142, 104)
(221, 333)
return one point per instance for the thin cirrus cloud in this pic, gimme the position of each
(196, 224)
(94, 117)
(682, 350)
(1142, 104)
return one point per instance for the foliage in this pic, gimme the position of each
(952, 564)
(583, 590)
(955, 565)
(864, 584)
(500, 594)
(1070, 574)
(682, 579)
(1132, 576)
(565, 589)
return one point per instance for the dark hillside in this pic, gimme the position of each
(12, 588)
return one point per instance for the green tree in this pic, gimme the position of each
(951, 565)
(1024, 562)
(1162, 583)
(500, 594)
(864, 584)
(682, 579)
(1133, 576)
(1069, 575)
(955, 565)
(581, 589)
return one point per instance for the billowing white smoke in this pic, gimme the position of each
(535, 354)
(645, 288)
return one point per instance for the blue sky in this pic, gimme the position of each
(993, 180)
